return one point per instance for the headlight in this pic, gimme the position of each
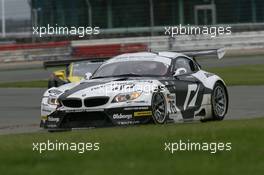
(126, 97)
(53, 101)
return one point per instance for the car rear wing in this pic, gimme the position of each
(219, 53)
(66, 62)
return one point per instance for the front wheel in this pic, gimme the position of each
(219, 102)
(159, 110)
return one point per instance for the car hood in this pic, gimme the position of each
(107, 87)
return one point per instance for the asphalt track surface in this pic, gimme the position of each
(20, 107)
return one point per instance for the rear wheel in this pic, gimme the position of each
(159, 110)
(219, 102)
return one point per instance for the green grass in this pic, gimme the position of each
(25, 84)
(140, 150)
(241, 75)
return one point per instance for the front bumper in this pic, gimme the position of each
(97, 118)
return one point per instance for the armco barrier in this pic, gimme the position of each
(237, 44)
(34, 52)
(11, 47)
(64, 50)
(107, 50)
(245, 41)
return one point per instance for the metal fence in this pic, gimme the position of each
(136, 17)
(140, 13)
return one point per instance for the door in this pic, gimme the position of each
(188, 90)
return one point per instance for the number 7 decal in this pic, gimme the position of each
(191, 88)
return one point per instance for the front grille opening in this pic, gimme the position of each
(86, 119)
(95, 101)
(72, 102)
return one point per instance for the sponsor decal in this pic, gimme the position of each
(142, 113)
(55, 91)
(114, 86)
(51, 126)
(128, 122)
(142, 101)
(98, 87)
(122, 116)
(145, 81)
(136, 108)
(51, 119)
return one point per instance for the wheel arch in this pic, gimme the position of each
(223, 83)
(225, 87)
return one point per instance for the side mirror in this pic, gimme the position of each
(180, 71)
(87, 76)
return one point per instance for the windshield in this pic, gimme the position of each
(127, 68)
(80, 68)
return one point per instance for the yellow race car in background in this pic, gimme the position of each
(74, 72)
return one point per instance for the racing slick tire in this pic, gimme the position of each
(159, 108)
(219, 101)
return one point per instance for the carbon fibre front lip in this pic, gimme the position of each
(126, 116)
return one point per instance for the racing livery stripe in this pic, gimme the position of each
(82, 86)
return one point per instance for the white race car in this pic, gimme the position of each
(138, 88)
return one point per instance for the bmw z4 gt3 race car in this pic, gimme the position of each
(138, 88)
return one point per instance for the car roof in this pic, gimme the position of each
(165, 57)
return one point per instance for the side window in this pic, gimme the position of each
(194, 66)
(184, 65)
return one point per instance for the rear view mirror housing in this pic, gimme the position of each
(87, 76)
(179, 71)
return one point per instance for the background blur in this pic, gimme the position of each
(137, 15)
(125, 26)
